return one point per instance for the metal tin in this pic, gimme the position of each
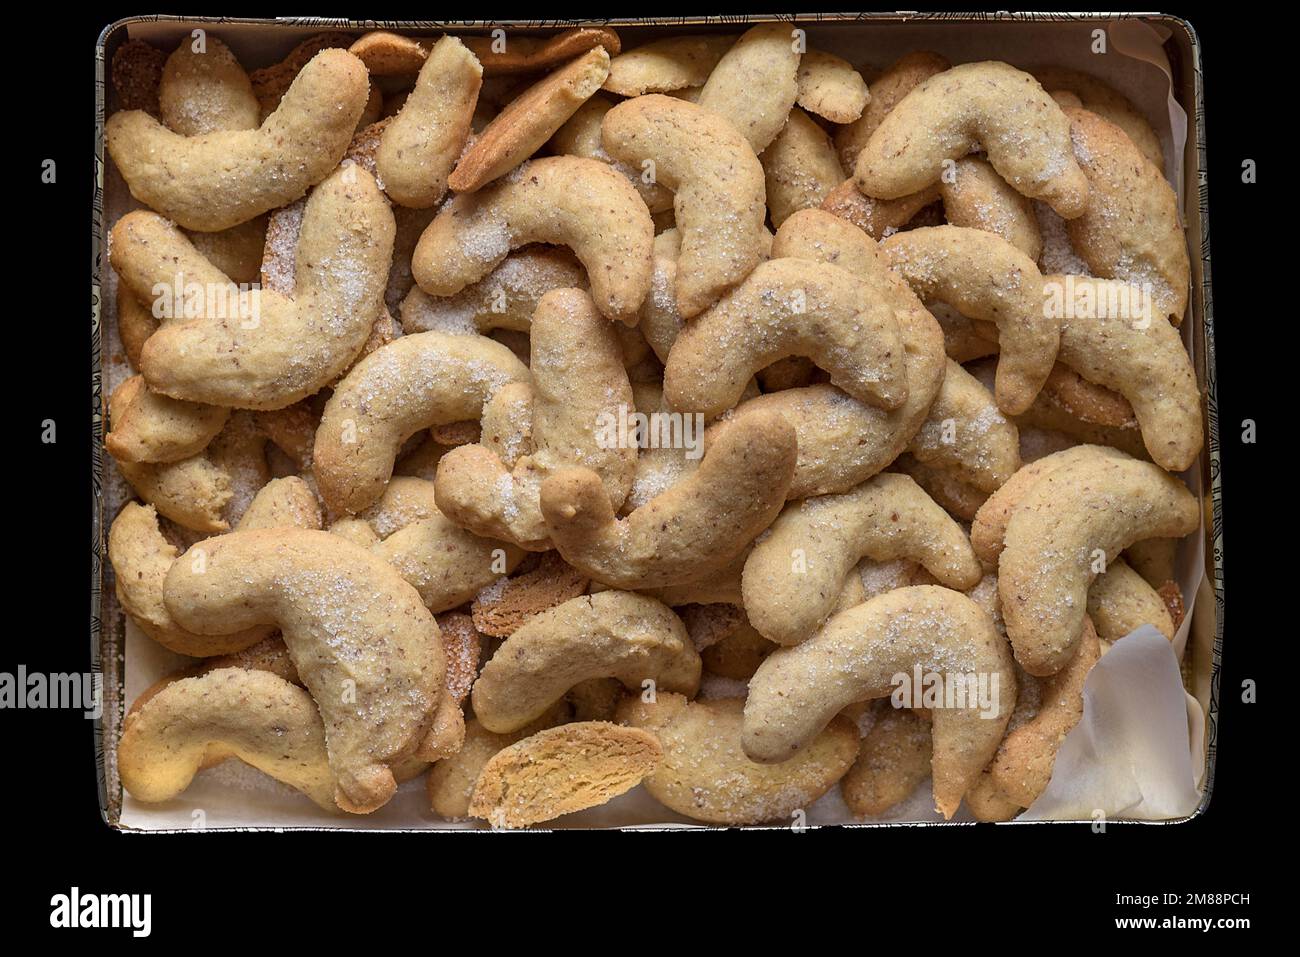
(1184, 52)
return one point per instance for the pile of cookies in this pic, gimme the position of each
(545, 419)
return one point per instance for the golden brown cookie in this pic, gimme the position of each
(451, 781)
(195, 722)
(613, 634)
(1130, 229)
(564, 200)
(1069, 524)
(798, 691)
(705, 775)
(717, 185)
(695, 527)
(419, 146)
(447, 564)
(499, 610)
(220, 179)
(528, 121)
(991, 105)
(360, 637)
(562, 770)
(1114, 335)
(894, 83)
(155, 428)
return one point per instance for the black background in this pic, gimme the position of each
(1027, 887)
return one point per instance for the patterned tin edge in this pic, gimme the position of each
(102, 659)
(1213, 462)
(106, 642)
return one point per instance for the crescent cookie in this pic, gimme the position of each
(612, 634)
(989, 527)
(1129, 229)
(795, 574)
(205, 491)
(263, 349)
(141, 557)
(1070, 523)
(413, 383)
(696, 526)
(705, 774)
(985, 277)
(797, 691)
(420, 145)
(360, 637)
(221, 179)
(756, 82)
(564, 200)
(800, 167)
(788, 307)
(990, 106)
(1120, 600)
(717, 185)
(1111, 336)
(878, 218)
(505, 298)
(893, 759)
(197, 722)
